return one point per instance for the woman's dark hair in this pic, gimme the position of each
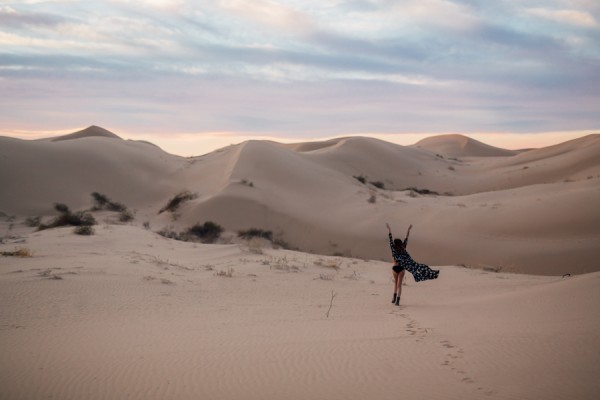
(398, 243)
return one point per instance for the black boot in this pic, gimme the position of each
(394, 299)
(397, 300)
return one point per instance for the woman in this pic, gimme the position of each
(403, 261)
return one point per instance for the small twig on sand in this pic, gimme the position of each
(333, 294)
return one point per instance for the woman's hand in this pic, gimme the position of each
(388, 226)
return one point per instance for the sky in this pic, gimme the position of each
(194, 75)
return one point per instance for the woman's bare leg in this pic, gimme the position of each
(395, 274)
(399, 279)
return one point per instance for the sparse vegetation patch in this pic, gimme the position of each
(177, 201)
(361, 179)
(33, 222)
(226, 274)
(102, 202)
(378, 184)
(422, 191)
(18, 252)
(255, 232)
(68, 218)
(208, 232)
(84, 230)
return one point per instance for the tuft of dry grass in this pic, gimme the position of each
(19, 252)
(49, 275)
(353, 276)
(226, 274)
(255, 246)
(325, 276)
(281, 264)
(333, 264)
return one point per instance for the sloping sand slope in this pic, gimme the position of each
(129, 314)
(532, 212)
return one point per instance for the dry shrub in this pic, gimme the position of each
(226, 274)
(84, 230)
(255, 246)
(324, 276)
(176, 201)
(208, 232)
(333, 264)
(18, 252)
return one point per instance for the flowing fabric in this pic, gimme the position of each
(420, 272)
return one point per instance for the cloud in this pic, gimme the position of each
(10, 17)
(300, 67)
(571, 17)
(269, 14)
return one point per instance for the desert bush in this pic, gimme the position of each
(279, 242)
(378, 184)
(361, 179)
(208, 232)
(169, 234)
(116, 207)
(126, 216)
(422, 191)
(177, 200)
(102, 202)
(68, 218)
(84, 230)
(254, 232)
(247, 183)
(33, 221)
(62, 208)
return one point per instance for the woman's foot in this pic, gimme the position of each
(394, 299)
(398, 300)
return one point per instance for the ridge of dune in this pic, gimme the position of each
(90, 131)
(313, 146)
(456, 145)
(335, 197)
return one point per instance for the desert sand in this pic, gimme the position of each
(129, 314)
(126, 313)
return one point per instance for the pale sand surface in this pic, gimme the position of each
(533, 212)
(138, 316)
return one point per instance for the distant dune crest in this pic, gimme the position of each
(455, 145)
(91, 131)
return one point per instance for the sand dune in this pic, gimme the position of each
(530, 212)
(126, 313)
(461, 146)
